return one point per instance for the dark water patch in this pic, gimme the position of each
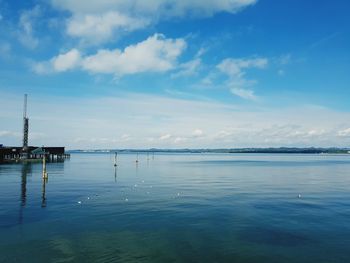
(288, 206)
(274, 237)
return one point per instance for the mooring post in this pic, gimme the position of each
(45, 175)
(115, 159)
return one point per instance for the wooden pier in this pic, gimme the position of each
(15, 154)
(27, 153)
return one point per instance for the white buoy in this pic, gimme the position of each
(79, 202)
(299, 195)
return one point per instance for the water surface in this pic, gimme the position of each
(177, 208)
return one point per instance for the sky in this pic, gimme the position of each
(176, 74)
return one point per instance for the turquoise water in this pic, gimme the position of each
(177, 208)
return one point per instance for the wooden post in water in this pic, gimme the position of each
(115, 159)
(45, 174)
(137, 157)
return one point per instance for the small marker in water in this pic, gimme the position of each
(299, 195)
(126, 199)
(79, 202)
(178, 194)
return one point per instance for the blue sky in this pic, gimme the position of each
(138, 74)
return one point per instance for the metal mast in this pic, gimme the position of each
(25, 127)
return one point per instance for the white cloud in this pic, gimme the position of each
(105, 17)
(187, 69)
(344, 133)
(197, 133)
(139, 116)
(244, 93)
(26, 31)
(179, 140)
(235, 69)
(10, 134)
(61, 63)
(168, 8)
(201, 52)
(100, 28)
(155, 54)
(165, 137)
(67, 61)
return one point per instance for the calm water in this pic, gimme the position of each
(177, 208)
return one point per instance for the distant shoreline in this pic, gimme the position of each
(281, 150)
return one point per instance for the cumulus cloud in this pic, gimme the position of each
(104, 17)
(155, 54)
(100, 28)
(63, 62)
(66, 61)
(235, 70)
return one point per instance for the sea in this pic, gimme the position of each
(177, 208)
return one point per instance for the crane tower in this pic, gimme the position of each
(25, 128)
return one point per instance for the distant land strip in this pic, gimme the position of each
(310, 150)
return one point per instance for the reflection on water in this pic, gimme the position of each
(43, 195)
(25, 170)
(177, 208)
